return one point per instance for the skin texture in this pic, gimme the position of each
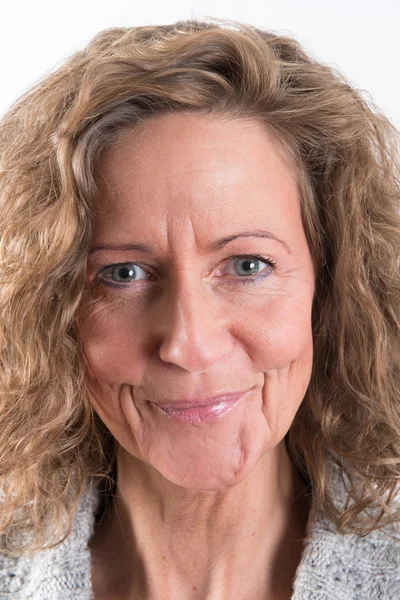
(198, 505)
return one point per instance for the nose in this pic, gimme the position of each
(194, 334)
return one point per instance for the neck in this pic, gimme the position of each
(161, 540)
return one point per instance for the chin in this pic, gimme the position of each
(211, 472)
(206, 482)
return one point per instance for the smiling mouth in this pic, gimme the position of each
(206, 411)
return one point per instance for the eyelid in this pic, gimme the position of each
(265, 259)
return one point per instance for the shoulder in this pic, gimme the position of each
(348, 566)
(58, 573)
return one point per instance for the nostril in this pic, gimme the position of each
(197, 352)
(192, 333)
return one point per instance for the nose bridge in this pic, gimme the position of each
(194, 335)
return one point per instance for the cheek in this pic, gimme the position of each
(110, 347)
(114, 342)
(279, 333)
(283, 352)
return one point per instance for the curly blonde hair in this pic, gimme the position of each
(345, 155)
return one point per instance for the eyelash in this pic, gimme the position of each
(246, 280)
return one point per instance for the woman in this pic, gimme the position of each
(199, 325)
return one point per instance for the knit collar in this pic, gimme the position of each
(332, 566)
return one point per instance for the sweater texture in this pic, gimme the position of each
(332, 566)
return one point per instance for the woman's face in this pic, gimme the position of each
(205, 287)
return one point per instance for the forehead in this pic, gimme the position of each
(179, 168)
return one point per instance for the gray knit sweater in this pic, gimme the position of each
(332, 567)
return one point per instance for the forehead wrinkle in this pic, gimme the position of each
(187, 195)
(174, 234)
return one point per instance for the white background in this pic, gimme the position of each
(360, 37)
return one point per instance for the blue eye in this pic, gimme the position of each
(124, 273)
(250, 266)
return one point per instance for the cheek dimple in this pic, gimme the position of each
(243, 449)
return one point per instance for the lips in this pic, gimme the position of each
(196, 411)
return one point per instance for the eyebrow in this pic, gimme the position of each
(217, 245)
